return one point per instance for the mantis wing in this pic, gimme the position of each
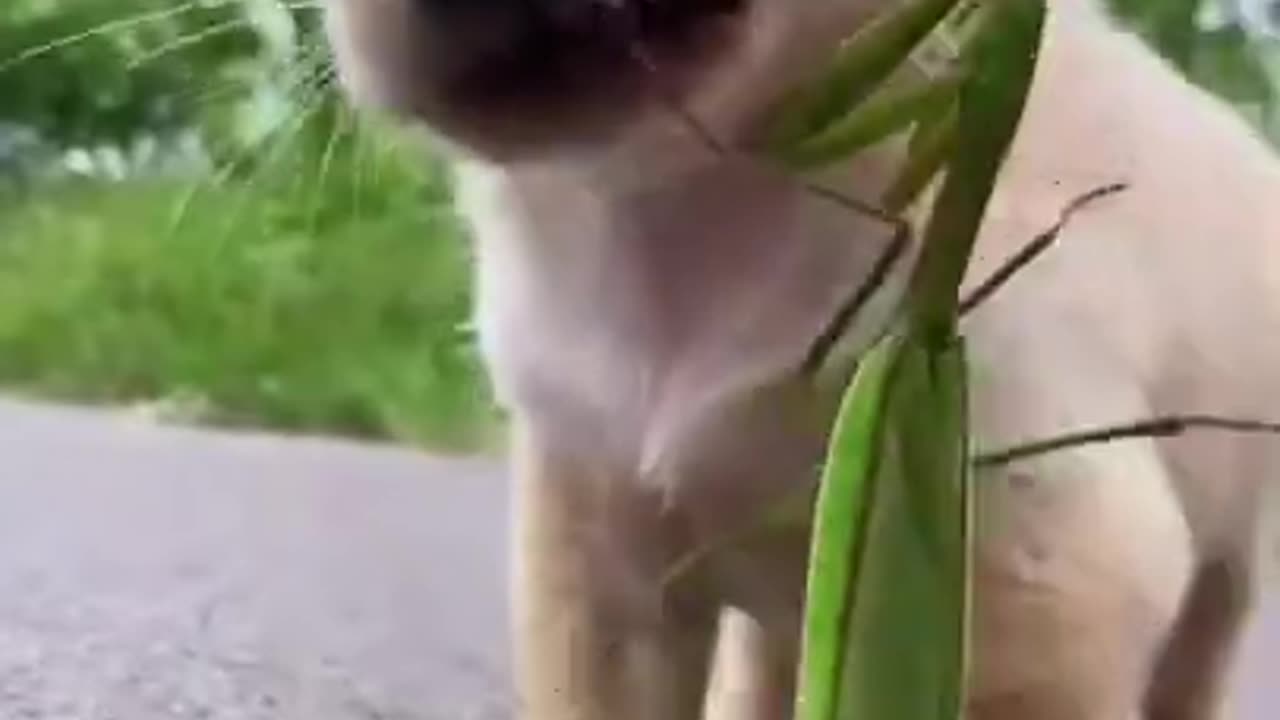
(888, 599)
(845, 498)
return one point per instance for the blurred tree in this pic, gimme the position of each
(83, 72)
(132, 75)
(1229, 46)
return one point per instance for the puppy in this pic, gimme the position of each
(645, 296)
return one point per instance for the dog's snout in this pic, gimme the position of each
(556, 12)
(589, 20)
(501, 74)
(578, 15)
(447, 11)
(455, 6)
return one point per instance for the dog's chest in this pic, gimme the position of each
(622, 327)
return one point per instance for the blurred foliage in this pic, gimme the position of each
(193, 222)
(302, 298)
(116, 82)
(1229, 46)
(188, 211)
(147, 80)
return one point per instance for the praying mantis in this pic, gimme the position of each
(886, 628)
(888, 597)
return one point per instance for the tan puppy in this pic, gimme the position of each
(643, 298)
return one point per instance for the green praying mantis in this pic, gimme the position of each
(886, 629)
(886, 624)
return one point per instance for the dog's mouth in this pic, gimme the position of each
(568, 51)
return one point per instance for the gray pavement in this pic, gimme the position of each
(150, 574)
(153, 574)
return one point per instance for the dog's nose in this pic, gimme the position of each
(531, 6)
(561, 14)
(459, 7)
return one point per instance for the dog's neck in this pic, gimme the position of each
(650, 303)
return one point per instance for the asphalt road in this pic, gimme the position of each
(150, 574)
(158, 574)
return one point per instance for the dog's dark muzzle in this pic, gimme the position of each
(515, 49)
(580, 17)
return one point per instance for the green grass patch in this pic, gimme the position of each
(328, 294)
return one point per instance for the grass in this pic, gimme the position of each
(326, 294)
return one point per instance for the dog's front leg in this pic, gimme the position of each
(597, 636)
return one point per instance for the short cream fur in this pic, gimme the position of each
(637, 289)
